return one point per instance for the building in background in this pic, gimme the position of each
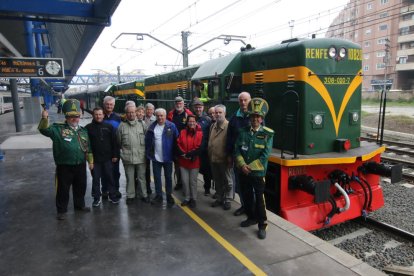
(385, 31)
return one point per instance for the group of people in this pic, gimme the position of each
(231, 154)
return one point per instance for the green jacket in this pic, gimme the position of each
(70, 147)
(254, 149)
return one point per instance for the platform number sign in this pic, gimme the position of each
(31, 68)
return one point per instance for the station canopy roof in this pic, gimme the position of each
(69, 28)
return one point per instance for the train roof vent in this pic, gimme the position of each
(290, 40)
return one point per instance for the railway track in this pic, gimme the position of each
(398, 152)
(390, 143)
(380, 244)
(388, 228)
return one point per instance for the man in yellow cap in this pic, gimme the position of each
(71, 149)
(252, 150)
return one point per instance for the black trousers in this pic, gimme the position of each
(205, 170)
(67, 175)
(116, 175)
(102, 170)
(148, 176)
(252, 189)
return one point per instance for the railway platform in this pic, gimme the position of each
(140, 239)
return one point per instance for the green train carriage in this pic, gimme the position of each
(128, 91)
(161, 90)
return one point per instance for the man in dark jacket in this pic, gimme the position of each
(239, 120)
(105, 152)
(113, 119)
(205, 122)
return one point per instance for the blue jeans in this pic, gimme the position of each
(156, 167)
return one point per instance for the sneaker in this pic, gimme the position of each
(130, 200)
(170, 200)
(114, 200)
(83, 209)
(193, 203)
(227, 205)
(61, 216)
(105, 195)
(157, 199)
(239, 211)
(216, 203)
(248, 222)
(185, 203)
(118, 194)
(96, 202)
(261, 234)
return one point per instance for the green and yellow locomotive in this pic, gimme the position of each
(319, 172)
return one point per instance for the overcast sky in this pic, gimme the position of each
(263, 23)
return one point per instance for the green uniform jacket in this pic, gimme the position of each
(70, 147)
(254, 149)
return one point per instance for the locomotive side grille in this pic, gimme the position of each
(290, 120)
(259, 79)
(290, 81)
(182, 92)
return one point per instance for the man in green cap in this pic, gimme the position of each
(71, 149)
(252, 150)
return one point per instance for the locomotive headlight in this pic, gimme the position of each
(355, 117)
(332, 52)
(342, 52)
(318, 120)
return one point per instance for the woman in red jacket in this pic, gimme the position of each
(188, 144)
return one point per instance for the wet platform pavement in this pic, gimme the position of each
(140, 239)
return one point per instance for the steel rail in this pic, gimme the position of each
(389, 228)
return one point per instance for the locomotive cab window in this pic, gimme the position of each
(213, 89)
(233, 86)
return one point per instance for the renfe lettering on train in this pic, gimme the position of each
(322, 53)
(315, 53)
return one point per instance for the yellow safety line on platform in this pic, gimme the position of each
(228, 246)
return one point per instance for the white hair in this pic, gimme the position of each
(129, 104)
(222, 106)
(244, 93)
(108, 99)
(160, 110)
(149, 105)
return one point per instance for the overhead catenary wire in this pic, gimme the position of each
(214, 14)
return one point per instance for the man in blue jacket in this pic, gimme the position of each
(160, 141)
(113, 119)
